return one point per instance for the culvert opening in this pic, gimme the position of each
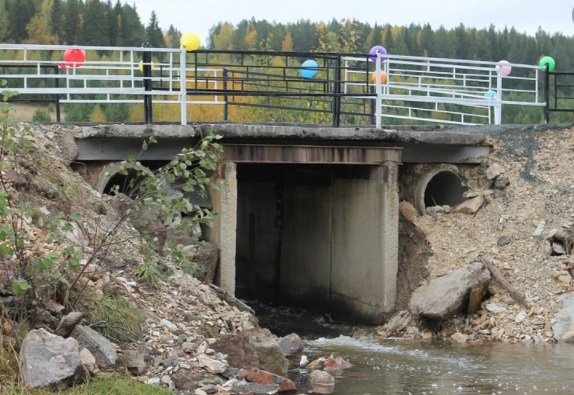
(440, 188)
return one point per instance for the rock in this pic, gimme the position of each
(269, 353)
(151, 227)
(50, 360)
(210, 364)
(503, 240)
(254, 389)
(470, 206)
(136, 362)
(205, 259)
(183, 379)
(520, 316)
(495, 308)
(335, 364)
(444, 297)
(263, 377)
(459, 337)
(494, 171)
(408, 211)
(68, 323)
(89, 361)
(292, 347)
(539, 229)
(322, 382)
(168, 324)
(240, 353)
(501, 183)
(563, 328)
(99, 346)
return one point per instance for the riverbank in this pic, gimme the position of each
(516, 229)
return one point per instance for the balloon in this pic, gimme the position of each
(140, 66)
(382, 78)
(490, 94)
(74, 57)
(547, 61)
(190, 41)
(375, 50)
(309, 68)
(504, 67)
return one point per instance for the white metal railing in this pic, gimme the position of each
(468, 90)
(114, 77)
(465, 92)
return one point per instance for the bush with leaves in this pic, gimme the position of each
(50, 267)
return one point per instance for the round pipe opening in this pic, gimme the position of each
(439, 188)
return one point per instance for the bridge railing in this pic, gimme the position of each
(274, 86)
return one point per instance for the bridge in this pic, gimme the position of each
(288, 87)
(309, 213)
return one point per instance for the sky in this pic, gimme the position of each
(525, 15)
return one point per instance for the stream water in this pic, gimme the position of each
(382, 367)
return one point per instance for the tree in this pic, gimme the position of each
(154, 34)
(287, 44)
(20, 14)
(222, 38)
(172, 37)
(71, 22)
(132, 33)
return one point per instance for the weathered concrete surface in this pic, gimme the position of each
(423, 144)
(223, 232)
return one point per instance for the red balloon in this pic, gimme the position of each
(74, 57)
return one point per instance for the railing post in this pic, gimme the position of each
(498, 104)
(225, 97)
(547, 94)
(57, 85)
(337, 93)
(146, 59)
(379, 91)
(183, 85)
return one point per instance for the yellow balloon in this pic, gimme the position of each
(190, 41)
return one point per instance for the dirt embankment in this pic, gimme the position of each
(517, 230)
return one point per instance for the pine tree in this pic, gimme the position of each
(153, 33)
(20, 13)
(71, 22)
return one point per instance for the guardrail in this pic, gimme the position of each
(300, 87)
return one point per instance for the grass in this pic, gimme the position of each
(101, 384)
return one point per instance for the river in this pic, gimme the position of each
(394, 366)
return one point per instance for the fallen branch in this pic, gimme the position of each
(497, 274)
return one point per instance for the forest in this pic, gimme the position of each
(70, 22)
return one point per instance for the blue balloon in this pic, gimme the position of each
(490, 94)
(309, 68)
(377, 49)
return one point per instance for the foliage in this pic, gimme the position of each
(41, 115)
(102, 384)
(114, 316)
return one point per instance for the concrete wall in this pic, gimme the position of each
(325, 239)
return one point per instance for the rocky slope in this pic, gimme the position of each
(523, 230)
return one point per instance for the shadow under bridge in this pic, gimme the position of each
(312, 226)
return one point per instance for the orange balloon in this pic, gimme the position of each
(382, 78)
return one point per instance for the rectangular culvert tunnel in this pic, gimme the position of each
(318, 236)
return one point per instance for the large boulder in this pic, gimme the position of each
(48, 360)
(102, 349)
(447, 296)
(269, 353)
(240, 353)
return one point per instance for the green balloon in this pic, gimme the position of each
(547, 61)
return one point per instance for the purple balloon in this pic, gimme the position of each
(375, 50)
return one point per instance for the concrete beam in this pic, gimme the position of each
(306, 154)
